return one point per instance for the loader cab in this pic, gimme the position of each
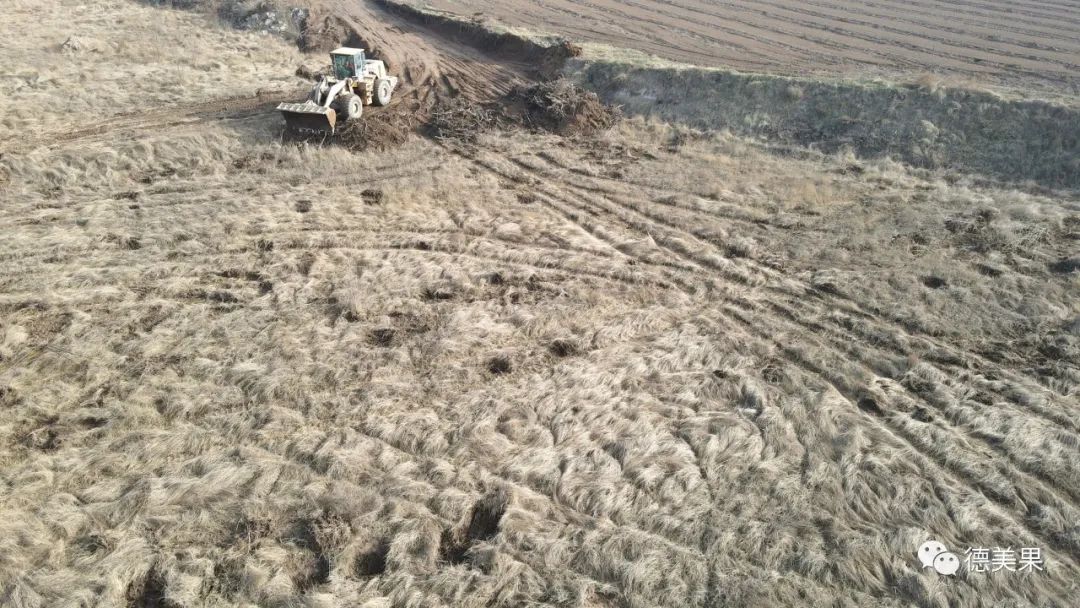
(348, 62)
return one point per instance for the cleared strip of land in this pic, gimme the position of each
(1021, 44)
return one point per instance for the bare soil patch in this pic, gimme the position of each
(1025, 45)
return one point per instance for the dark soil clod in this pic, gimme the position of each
(1066, 265)
(451, 549)
(988, 270)
(870, 406)
(317, 570)
(383, 336)
(563, 348)
(487, 514)
(499, 365)
(438, 294)
(222, 297)
(46, 439)
(483, 525)
(148, 592)
(372, 562)
(373, 196)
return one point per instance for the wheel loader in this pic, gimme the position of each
(355, 83)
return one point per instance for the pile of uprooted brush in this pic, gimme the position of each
(461, 120)
(559, 106)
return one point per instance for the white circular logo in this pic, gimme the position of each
(946, 563)
(928, 551)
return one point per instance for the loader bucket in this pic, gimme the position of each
(308, 118)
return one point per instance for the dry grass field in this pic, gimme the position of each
(1016, 43)
(654, 367)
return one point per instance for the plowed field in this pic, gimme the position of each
(1003, 42)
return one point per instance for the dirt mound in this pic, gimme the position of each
(556, 107)
(547, 54)
(953, 129)
(560, 107)
(384, 128)
(321, 33)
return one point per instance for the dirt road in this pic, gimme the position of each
(431, 68)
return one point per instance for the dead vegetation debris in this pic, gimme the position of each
(557, 106)
(461, 120)
(561, 107)
(311, 72)
(386, 130)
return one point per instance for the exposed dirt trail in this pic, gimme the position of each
(431, 70)
(142, 122)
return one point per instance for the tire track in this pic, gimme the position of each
(930, 456)
(224, 108)
(795, 293)
(811, 329)
(579, 273)
(973, 477)
(859, 353)
(730, 213)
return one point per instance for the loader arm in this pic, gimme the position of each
(315, 115)
(332, 94)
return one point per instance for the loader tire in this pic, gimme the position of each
(383, 91)
(350, 107)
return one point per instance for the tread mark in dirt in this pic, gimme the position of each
(926, 455)
(972, 479)
(851, 305)
(228, 107)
